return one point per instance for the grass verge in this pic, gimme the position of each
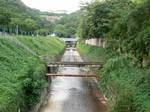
(91, 53)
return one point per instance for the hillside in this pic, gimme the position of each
(67, 25)
(21, 68)
(17, 18)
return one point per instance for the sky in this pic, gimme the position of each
(55, 5)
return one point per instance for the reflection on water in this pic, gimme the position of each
(71, 94)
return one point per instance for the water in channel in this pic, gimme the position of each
(71, 94)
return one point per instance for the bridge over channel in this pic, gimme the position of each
(54, 65)
(70, 42)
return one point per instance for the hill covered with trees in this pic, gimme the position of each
(16, 18)
(67, 26)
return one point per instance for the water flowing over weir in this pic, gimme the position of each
(71, 94)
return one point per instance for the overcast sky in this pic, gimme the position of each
(54, 5)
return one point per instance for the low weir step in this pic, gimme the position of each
(72, 75)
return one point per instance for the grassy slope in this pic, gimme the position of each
(126, 87)
(22, 72)
(91, 53)
(43, 46)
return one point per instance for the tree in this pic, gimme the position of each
(67, 25)
(123, 23)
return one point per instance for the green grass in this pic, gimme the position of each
(91, 53)
(42, 46)
(22, 71)
(126, 86)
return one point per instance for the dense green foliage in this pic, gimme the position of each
(22, 71)
(125, 26)
(67, 26)
(126, 86)
(99, 18)
(16, 18)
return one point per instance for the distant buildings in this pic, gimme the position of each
(56, 16)
(52, 18)
(58, 11)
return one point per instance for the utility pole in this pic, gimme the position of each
(17, 30)
(37, 33)
(19, 110)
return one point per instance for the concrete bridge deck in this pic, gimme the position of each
(75, 64)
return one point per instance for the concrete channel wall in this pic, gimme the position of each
(42, 99)
(96, 42)
(45, 92)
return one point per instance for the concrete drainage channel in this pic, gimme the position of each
(71, 94)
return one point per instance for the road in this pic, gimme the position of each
(71, 94)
